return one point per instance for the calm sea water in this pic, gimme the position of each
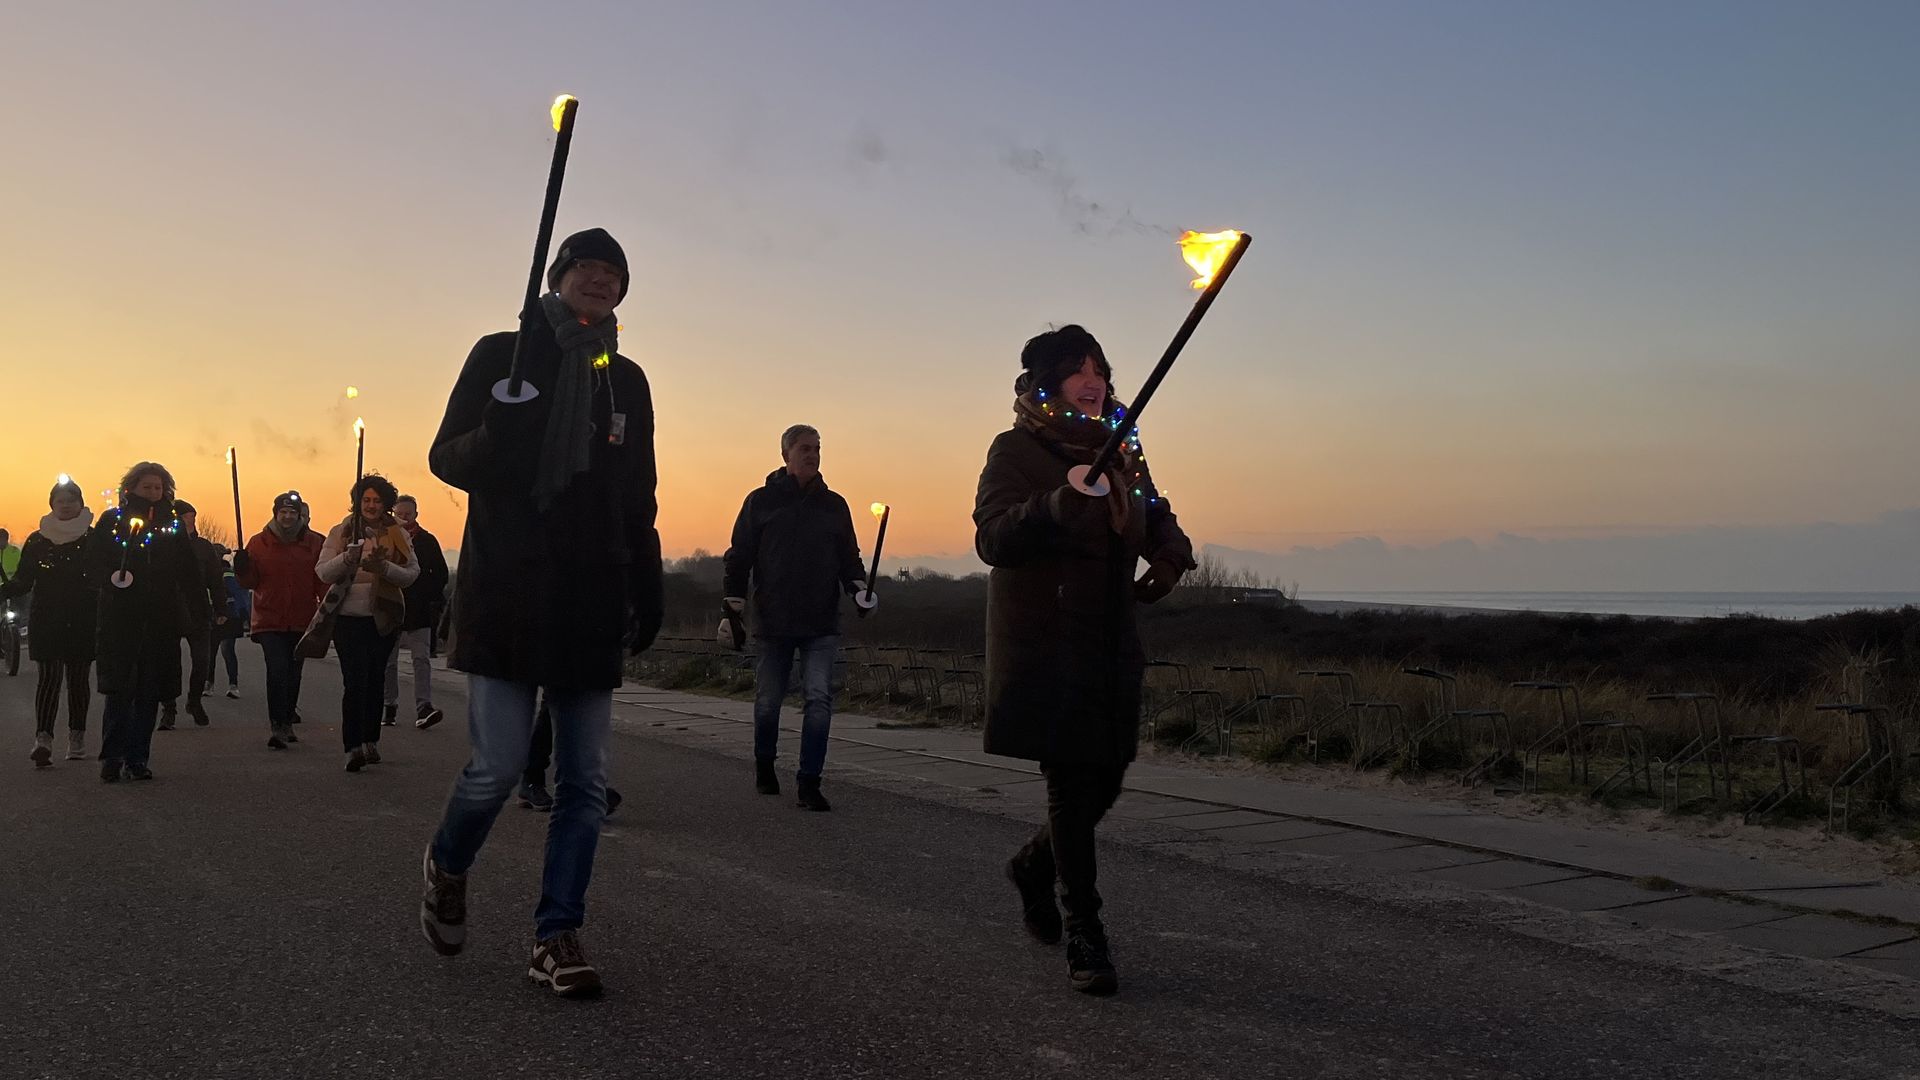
(1779, 605)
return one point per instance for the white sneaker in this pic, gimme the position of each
(76, 746)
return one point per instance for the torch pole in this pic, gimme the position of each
(359, 455)
(556, 174)
(239, 523)
(867, 598)
(1092, 479)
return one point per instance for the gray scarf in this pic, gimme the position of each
(565, 448)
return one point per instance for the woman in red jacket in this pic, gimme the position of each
(277, 566)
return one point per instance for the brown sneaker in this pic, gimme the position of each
(443, 907)
(560, 964)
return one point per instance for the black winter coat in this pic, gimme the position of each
(429, 590)
(1064, 661)
(64, 598)
(207, 599)
(550, 598)
(797, 548)
(137, 639)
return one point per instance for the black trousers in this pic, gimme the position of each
(284, 667)
(46, 696)
(363, 667)
(1078, 796)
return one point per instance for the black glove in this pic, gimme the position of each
(1068, 508)
(732, 631)
(1157, 582)
(642, 627)
(241, 561)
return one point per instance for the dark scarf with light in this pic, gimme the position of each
(1079, 437)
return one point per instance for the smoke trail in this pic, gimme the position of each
(1087, 216)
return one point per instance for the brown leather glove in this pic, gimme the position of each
(1157, 582)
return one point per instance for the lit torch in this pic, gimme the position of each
(360, 449)
(1213, 257)
(239, 524)
(122, 577)
(512, 390)
(865, 598)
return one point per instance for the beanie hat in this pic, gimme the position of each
(287, 499)
(182, 506)
(1047, 359)
(591, 244)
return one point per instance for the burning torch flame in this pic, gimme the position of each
(879, 509)
(352, 392)
(229, 455)
(1205, 252)
(359, 425)
(560, 109)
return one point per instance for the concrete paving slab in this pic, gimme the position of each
(1153, 808)
(1900, 959)
(1891, 899)
(1819, 935)
(1411, 860)
(1502, 874)
(1220, 818)
(1707, 914)
(1350, 842)
(1276, 829)
(1589, 894)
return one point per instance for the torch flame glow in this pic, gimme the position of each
(352, 392)
(1205, 252)
(229, 455)
(560, 109)
(879, 509)
(359, 425)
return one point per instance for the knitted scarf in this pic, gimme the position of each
(389, 601)
(66, 532)
(1079, 437)
(565, 447)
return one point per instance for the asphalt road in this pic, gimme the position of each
(253, 914)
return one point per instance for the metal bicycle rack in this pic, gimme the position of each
(1575, 733)
(1443, 710)
(1708, 747)
(1255, 705)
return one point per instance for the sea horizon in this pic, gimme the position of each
(1678, 604)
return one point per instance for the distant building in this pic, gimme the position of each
(1260, 596)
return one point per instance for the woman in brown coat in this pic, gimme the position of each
(1064, 662)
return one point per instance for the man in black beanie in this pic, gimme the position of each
(205, 608)
(559, 577)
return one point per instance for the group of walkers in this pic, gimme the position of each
(113, 600)
(561, 579)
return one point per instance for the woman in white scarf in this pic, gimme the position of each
(53, 569)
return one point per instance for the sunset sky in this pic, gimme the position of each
(1553, 269)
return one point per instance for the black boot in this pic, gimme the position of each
(764, 781)
(168, 714)
(810, 797)
(389, 715)
(1089, 968)
(1039, 913)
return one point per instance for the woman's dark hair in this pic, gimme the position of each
(381, 487)
(66, 487)
(145, 469)
(1050, 357)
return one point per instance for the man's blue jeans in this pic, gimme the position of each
(776, 667)
(500, 728)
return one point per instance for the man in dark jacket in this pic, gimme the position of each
(794, 543)
(424, 597)
(206, 609)
(559, 577)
